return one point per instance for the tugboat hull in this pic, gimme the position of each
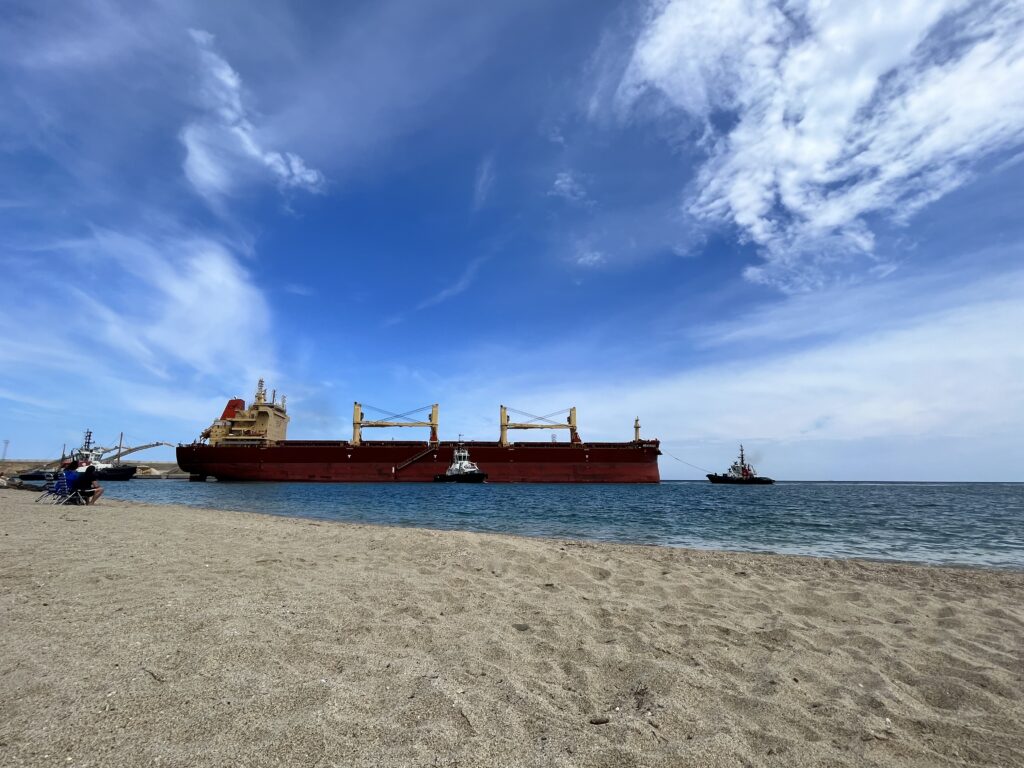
(466, 477)
(121, 472)
(105, 473)
(729, 480)
(37, 475)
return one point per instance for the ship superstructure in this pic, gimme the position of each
(261, 423)
(250, 443)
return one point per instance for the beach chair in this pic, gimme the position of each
(60, 493)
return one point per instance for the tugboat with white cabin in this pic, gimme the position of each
(461, 470)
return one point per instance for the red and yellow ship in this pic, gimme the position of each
(249, 443)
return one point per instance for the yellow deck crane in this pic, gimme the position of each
(359, 423)
(539, 422)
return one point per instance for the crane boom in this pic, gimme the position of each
(118, 454)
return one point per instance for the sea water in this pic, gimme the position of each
(942, 523)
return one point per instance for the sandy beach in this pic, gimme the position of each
(158, 635)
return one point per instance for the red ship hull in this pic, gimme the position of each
(394, 461)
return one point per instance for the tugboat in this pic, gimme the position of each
(90, 454)
(740, 473)
(461, 470)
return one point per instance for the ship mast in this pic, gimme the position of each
(745, 469)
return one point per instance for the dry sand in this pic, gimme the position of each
(145, 635)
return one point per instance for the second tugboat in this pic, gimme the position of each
(461, 470)
(92, 455)
(740, 473)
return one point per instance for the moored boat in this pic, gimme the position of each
(740, 473)
(35, 475)
(92, 455)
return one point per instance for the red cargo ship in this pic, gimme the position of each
(249, 444)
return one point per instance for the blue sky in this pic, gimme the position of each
(792, 224)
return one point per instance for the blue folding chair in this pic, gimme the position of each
(60, 493)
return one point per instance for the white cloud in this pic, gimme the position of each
(589, 257)
(222, 146)
(834, 112)
(202, 302)
(460, 285)
(929, 377)
(170, 304)
(484, 182)
(568, 186)
(148, 328)
(89, 34)
(841, 311)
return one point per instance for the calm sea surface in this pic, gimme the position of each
(964, 523)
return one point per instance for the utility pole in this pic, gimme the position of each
(4, 457)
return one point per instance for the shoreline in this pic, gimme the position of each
(136, 632)
(582, 540)
(598, 525)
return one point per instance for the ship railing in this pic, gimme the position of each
(447, 443)
(247, 443)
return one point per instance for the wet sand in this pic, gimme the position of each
(156, 635)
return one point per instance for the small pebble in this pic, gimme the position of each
(599, 720)
(521, 627)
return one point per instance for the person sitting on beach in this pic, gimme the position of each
(71, 474)
(87, 485)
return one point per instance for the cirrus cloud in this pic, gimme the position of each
(223, 145)
(817, 117)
